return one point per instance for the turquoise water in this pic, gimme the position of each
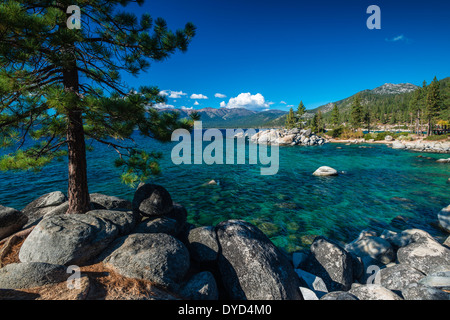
(377, 185)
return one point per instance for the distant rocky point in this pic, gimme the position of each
(285, 137)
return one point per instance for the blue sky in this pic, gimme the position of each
(273, 54)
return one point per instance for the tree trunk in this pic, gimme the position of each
(78, 192)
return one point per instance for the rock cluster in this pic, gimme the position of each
(284, 137)
(423, 146)
(150, 239)
(410, 265)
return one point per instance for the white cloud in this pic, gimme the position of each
(177, 94)
(163, 93)
(255, 102)
(223, 104)
(198, 97)
(283, 102)
(163, 106)
(220, 95)
(196, 103)
(186, 108)
(399, 38)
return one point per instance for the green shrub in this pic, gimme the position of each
(336, 133)
(438, 138)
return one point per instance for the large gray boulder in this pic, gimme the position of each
(11, 220)
(399, 276)
(75, 239)
(404, 238)
(424, 253)
(31, 274)
(314, 283)
(329, 261)
(416, 291)
(373, 292)
(373, 250)
(38, 208)
(201, 286)
(179, 214)
(203, 244)
(104, 202)
(251, 267)
(444, 218)
(156, 257)
(152, 200)
(339, 295)
(439, 280)
(157, 225)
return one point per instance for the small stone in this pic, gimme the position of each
(325, 172)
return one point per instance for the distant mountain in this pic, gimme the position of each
(231, 118)
(382, 94)
(390, 88)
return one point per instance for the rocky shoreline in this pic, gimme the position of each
(285, 137)
(417, 145)
(150, 242)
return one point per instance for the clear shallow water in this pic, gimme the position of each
(377, 185)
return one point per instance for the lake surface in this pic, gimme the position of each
(376, 185)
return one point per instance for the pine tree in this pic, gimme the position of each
(335, 115)
(301, 110)
(290, 119)
(61, 86)
(433, 104)
(356, 112)
(367, 117)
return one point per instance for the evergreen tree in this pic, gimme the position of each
(301, 110)
(60, 86)
(335, 115)
(367, 117)
(317, 125)
(290, 120)
(356, 112)
(433, 104)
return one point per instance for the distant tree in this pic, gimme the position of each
(335, 115)
(60, 86)
(367, 117)
(301, 110)
(317, 124)
(433, 104)
(356, 116)
(290, 120)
